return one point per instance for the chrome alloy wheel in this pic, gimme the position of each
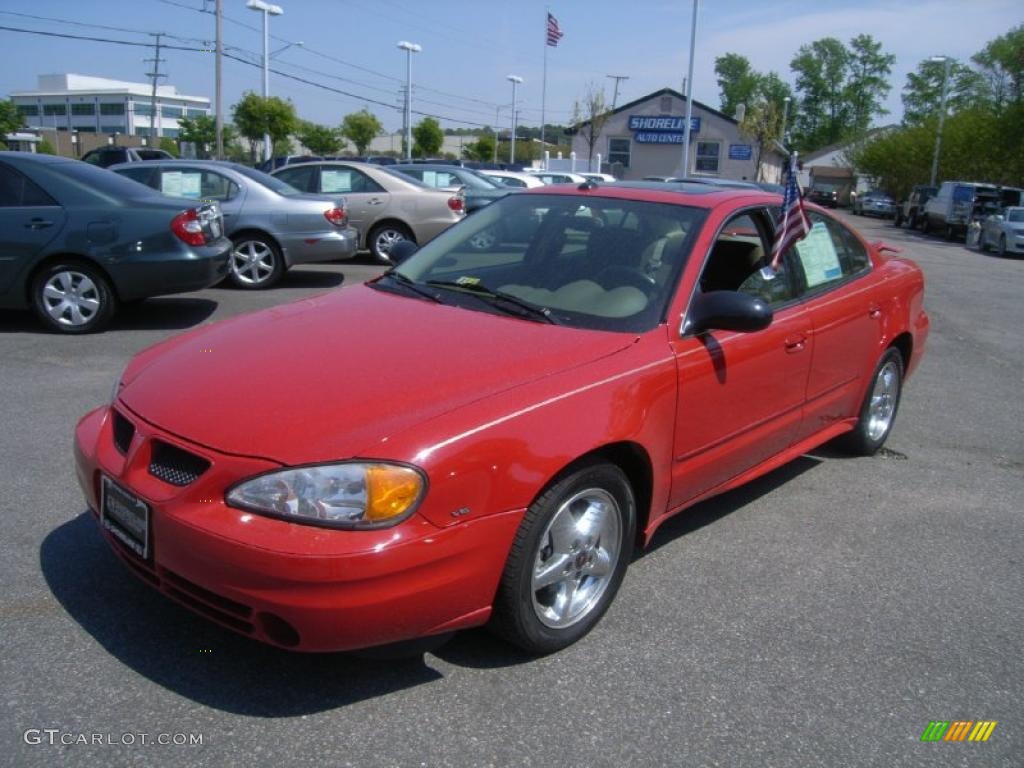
(71, 298)
(385, 239)
(252, 262)
(884, 397)
(484, 240)
(576, 557)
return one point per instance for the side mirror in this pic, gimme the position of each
(727, 311)
(402, 250)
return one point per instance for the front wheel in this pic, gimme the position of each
(878, 411)
(73, 297)
(568, 559)
(383, 237)
(1002, 245)
(256, 263)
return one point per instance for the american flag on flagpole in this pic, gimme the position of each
(793, 223)
(554, 33)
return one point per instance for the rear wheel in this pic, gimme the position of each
(256, 262)
(383, 237)
(950, 232)
(878, 411)
(897, 219)
(1002, 245)
(568, 560)
(73, 297)
(912, 220)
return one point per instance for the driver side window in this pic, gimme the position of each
(738, 261)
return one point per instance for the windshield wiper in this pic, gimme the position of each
(524, 308)
(410, 285)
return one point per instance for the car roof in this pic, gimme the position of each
(677, 193)
(35, 157)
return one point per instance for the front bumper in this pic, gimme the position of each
(327, 245)
(295, 586)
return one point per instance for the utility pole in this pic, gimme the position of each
(497, 113)
(615, 93)
(218, 91)
(689, 96)
(410, 49)
(155, 75)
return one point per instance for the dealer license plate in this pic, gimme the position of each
(126, 516)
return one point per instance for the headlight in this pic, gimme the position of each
(349, 495)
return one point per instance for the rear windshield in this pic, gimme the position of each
(81, 182)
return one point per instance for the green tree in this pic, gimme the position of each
(255, 116)
(1001, 65)
(10, 120)
(762, 123)
(482, 149)
(319, 139)
(922, 94)
(738, 83)
(427, 138)
(44, 147)
(202, 132)
(360, 128)
(823, 115)
(867, 84)
(167, 144)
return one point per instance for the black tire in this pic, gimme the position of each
(256, 262)
(925, 225)
(383, 236)
(897, 219)
(912, 220)
(950, 233)
(73, 297)
(1002, 246)
(982, 243)
(866, 439)
(518, 607)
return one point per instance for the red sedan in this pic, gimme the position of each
(484, 437)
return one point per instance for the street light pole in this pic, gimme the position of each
(410, 49)
(689, 96)
(515, 80)
(785, 116)
(942, 115)
(267, 10)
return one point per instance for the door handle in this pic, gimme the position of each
(874, 311)
(374, 201)
(796, 343)
(38, 224)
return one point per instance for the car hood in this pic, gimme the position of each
(333, 376)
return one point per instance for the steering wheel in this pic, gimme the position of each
(617, 276)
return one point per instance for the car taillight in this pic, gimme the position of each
(337, 216)
(187, 227)
(456, 204)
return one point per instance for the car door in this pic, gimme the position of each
(29, 220)
(741, 395)
(367, 200)
(834, 274)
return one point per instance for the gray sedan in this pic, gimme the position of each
(1004, 232)
(273, 225)
(76, 240)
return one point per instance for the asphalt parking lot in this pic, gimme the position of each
(822, 615)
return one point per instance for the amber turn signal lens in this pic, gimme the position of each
(390, 491)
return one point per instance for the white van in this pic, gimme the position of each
(951, 209)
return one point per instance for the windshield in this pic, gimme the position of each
(592, 262)
(476, 180)
(271, 182)
(1016, 215)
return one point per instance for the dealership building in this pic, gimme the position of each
(88, 104)
(645, 138)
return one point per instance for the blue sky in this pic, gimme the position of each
(470, 47)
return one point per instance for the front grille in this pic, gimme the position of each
(124, 431)
(175, 466)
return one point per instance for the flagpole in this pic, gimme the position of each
(544, 84)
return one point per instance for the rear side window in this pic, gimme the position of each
(828, 255)
(143, 175)
(16, 190)
(342, 180)
(301, 177)
(196, 184)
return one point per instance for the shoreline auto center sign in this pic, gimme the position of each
(660, 129)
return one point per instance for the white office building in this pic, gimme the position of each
(89, 104)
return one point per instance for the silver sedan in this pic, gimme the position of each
(1004, 232)
(273, 226)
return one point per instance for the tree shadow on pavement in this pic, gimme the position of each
(193, 657)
